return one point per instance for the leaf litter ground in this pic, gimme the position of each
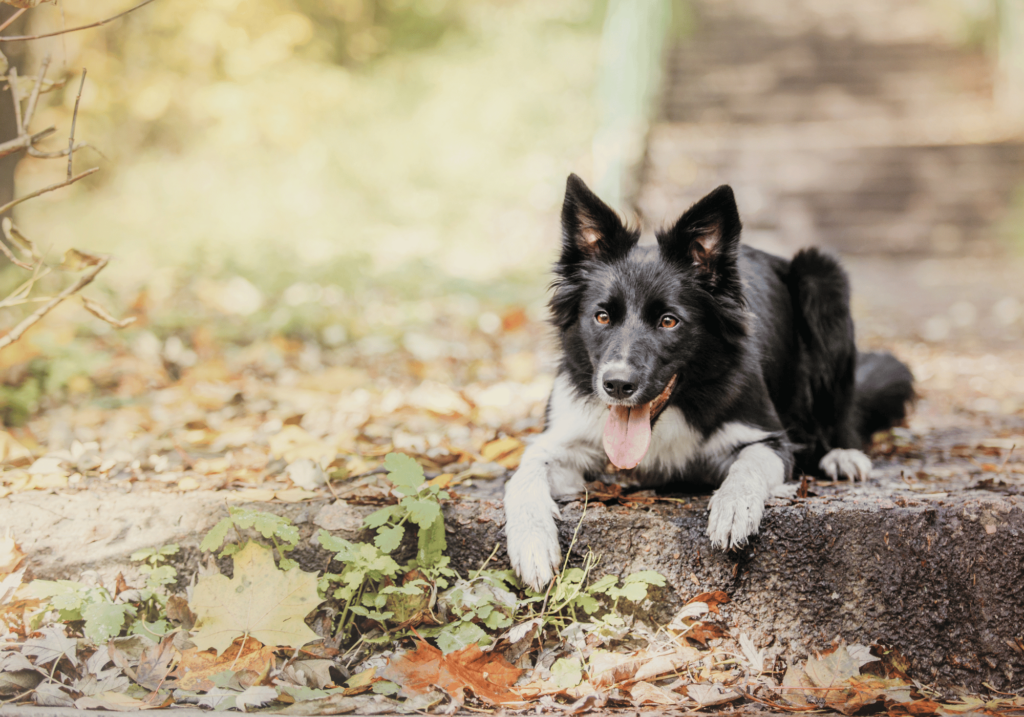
(287, 421)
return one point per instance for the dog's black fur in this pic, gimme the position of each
(747, 360)
(761, 340)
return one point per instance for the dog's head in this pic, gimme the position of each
(640, 323)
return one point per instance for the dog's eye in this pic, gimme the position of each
(668, 321)
(602, 317)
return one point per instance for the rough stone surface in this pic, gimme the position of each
(937, 577)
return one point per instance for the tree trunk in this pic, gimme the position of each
(8, 124)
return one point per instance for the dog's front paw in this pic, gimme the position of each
(532, 534)
(735, 516)
(846, 463)
(533, 547)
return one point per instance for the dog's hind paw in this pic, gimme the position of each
(735, 516)
(846, 463)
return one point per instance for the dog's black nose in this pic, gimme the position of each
(619, 385)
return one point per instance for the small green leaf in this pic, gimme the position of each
(215, 538)
(379, 517)
(164, 575)
(497, 620)
(648, 577)
(389, 538)
(140, 555)
(171, 549)
(104, 620)
(567, 672)
(404, 473)
(432, 543)
(587, 603)
(421, 512)
(385, 687)
(634, 592)
(603, 585)
(464, 635)
(287, 564)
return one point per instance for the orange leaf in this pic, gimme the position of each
(713, 600)
(487, 675)
(197, 667)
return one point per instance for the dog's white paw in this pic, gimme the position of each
(735, 516)
(531, 532)
(846, 463)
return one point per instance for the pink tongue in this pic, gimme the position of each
(627, 434)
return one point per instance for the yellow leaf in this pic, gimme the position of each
(13, 452)
(293, 443)
(259, 495)
(295, 495)
(77, 260)
(497, 449)
(10, 554)
(260, 600)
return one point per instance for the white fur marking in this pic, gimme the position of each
(674, 443)
(552, 466)
(846, 463)
(738, 505)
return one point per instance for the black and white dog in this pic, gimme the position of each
(696, 359)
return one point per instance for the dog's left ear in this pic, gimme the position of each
(707, 237)
(590, 227)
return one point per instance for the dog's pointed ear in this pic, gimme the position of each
(707, 237)
(590, 227)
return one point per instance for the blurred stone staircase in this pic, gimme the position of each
(858, 126)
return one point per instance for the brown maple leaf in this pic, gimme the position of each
(712, 599)
(486, 674)
(703, 631)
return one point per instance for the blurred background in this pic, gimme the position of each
(293, 185)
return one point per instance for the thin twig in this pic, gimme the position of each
(12, 81)
(74, 121)
(15, 202)
(20, 38)
(33, 98)
(39, 154)
(15, 333)
(9, 21)
(24, 141)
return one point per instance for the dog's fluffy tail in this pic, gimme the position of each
(884, 389)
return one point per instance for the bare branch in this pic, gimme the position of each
(12, 18)
(30, 110)
(101, 313)
(15, 202)
(12, 80)
(25, 140)
(74, 121)
(20, 38)
(16, 333)
(7, 252)
(39, 154)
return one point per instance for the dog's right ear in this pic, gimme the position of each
(590, 228)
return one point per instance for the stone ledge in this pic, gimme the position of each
(937, 577)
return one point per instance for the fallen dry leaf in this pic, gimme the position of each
(711, 599)
(12, 452)
(260, 600)
(197, 666)
(644, 693)
(487, 675)
(10, 555)
(155, 664)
